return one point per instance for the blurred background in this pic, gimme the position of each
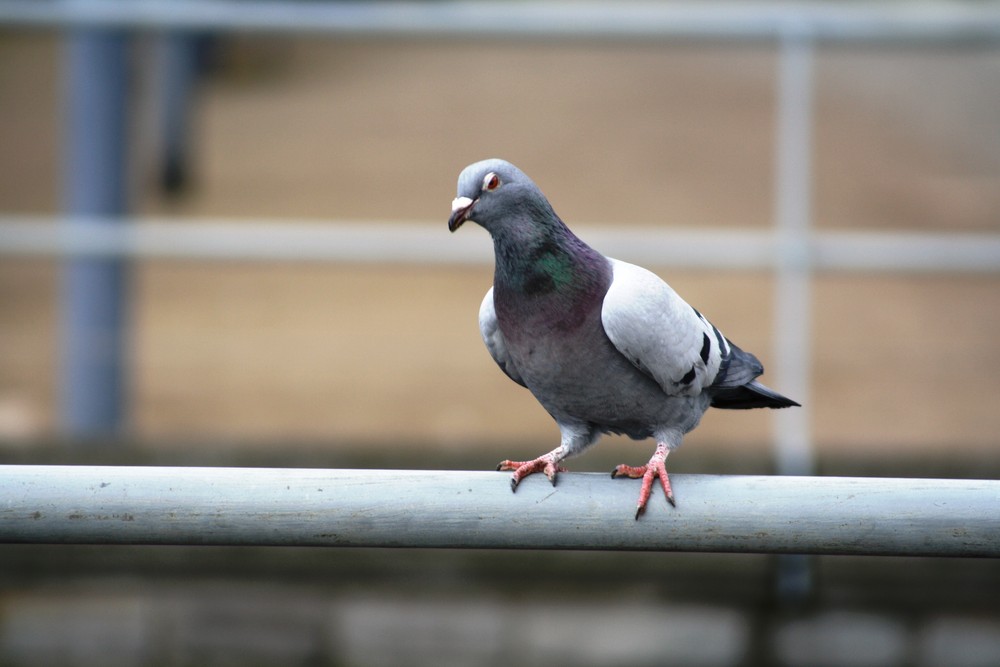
(368, 363)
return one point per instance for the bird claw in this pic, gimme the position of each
(522, 469)
(656, 468)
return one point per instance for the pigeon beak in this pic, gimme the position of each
(460, 207)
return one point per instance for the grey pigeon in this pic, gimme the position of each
(604, 345)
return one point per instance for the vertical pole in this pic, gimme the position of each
(792, 290)
(178, 69)
(793, 444)
(93, 341)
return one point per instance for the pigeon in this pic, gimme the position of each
(605, 346)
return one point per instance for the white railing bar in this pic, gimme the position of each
(730, 21)
(354, 241)
(429, 243)
(396, 508)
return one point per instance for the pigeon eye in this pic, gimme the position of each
(491, 182)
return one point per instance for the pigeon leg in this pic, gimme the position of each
(547, 463)
(655, 468)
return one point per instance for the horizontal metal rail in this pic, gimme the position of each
(394, 508)
(428, 243)
(833, 21)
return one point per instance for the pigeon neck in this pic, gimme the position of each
(550, 260)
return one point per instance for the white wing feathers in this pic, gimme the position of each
(659, 332)
(489, 329)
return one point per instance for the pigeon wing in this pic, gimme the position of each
(663, 336)
(489, 328)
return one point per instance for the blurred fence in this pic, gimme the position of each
(95, 240)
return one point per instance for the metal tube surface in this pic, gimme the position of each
(840, 22)
(409, 508)
(420, 243)
(793, 282)
(94, 298)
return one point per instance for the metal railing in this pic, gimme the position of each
(420, 243)
(831, 21)
(395, 508)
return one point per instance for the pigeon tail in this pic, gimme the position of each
(750, 395)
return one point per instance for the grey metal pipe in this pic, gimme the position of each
(935, 22)
(420, 243)
(94, 333)
(411, 508)
(793, 283)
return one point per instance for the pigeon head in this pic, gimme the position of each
(492, 192)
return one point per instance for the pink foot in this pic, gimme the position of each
(655, 468)
(545, 463)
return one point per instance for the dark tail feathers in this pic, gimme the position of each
(750, 395)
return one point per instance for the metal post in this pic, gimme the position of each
(94, 334)
(793, 218)
(178, 69)
(793, 444)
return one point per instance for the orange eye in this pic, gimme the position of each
(491, 182)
